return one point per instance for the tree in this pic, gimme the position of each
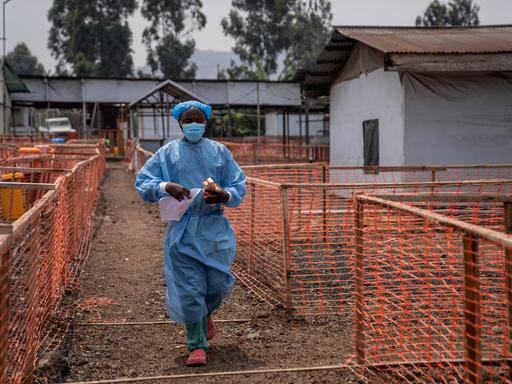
(309, 33)
(168, 39)
(268, 33)
(456, 13)
(260, 30)
(23, 62)
(93, 37)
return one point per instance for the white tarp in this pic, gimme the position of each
(457, 118)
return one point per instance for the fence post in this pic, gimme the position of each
(4, 312)
(250, 264)
(433, 179)
(359, 253)
(472, 315)
(508, 277)
(324, 201)
(254, 154)
(32, 302)
(286, 247)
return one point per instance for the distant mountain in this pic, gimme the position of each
(208, 63)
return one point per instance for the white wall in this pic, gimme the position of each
(458, 119)
(4, 128)
(376, 95)
(274, 124)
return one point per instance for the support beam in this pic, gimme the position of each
(449, 63)
(472, 314)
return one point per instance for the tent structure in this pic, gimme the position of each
(156, 105)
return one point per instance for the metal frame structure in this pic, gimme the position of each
(158, 102)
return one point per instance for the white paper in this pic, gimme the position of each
(172, 209)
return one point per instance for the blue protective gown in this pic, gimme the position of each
(199, 249)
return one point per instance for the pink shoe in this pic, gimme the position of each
(197, 358)
(211, 328)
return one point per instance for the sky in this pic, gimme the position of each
(26, 20)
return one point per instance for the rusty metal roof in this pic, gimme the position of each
(440, 40)
(402, 40)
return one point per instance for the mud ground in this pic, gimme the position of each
(123, 281)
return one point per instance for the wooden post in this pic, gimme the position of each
(4, 312)
(359, 254)
(473, 347)
(254, 153)
(324, 202)
(252, 248)
(508, 277)
(286, 249)
(433, 179)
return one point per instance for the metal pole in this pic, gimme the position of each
(4, 90)
(258, 110)
(307, 122)
(300, 126)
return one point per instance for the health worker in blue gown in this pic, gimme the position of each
(200, 247)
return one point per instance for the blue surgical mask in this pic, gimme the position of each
(193, 131)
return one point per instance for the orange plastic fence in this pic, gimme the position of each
(129, 151)
(254, 153)
(23, 139)
(410, 174)
(140, 157)
(433, 295)
(45, 221)
(295, 240)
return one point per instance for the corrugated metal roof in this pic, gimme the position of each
(403, 40)
(445, 40)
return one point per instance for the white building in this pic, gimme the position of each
(411, 96)
(295, 125)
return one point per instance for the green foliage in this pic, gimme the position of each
(455, 13)
(93, 37)
(260, 30)
(168, 38)
(243, 123)
(23, 62)
(267, 32)
(309, 32)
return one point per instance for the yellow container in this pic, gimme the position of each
(11, 199)
(115, 151)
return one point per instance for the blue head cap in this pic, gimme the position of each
(178, 110)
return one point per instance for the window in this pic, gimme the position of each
(371, 142)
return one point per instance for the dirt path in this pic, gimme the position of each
(123, 281)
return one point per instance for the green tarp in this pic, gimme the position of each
(14, 83)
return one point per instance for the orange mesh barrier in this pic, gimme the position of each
(289, 173)
(254, 153)
(45, 226)
(7, 152)
(140, 157)
(433, 294)
(295, 241)
(24, 139)
(416, 174)
(129, 151)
